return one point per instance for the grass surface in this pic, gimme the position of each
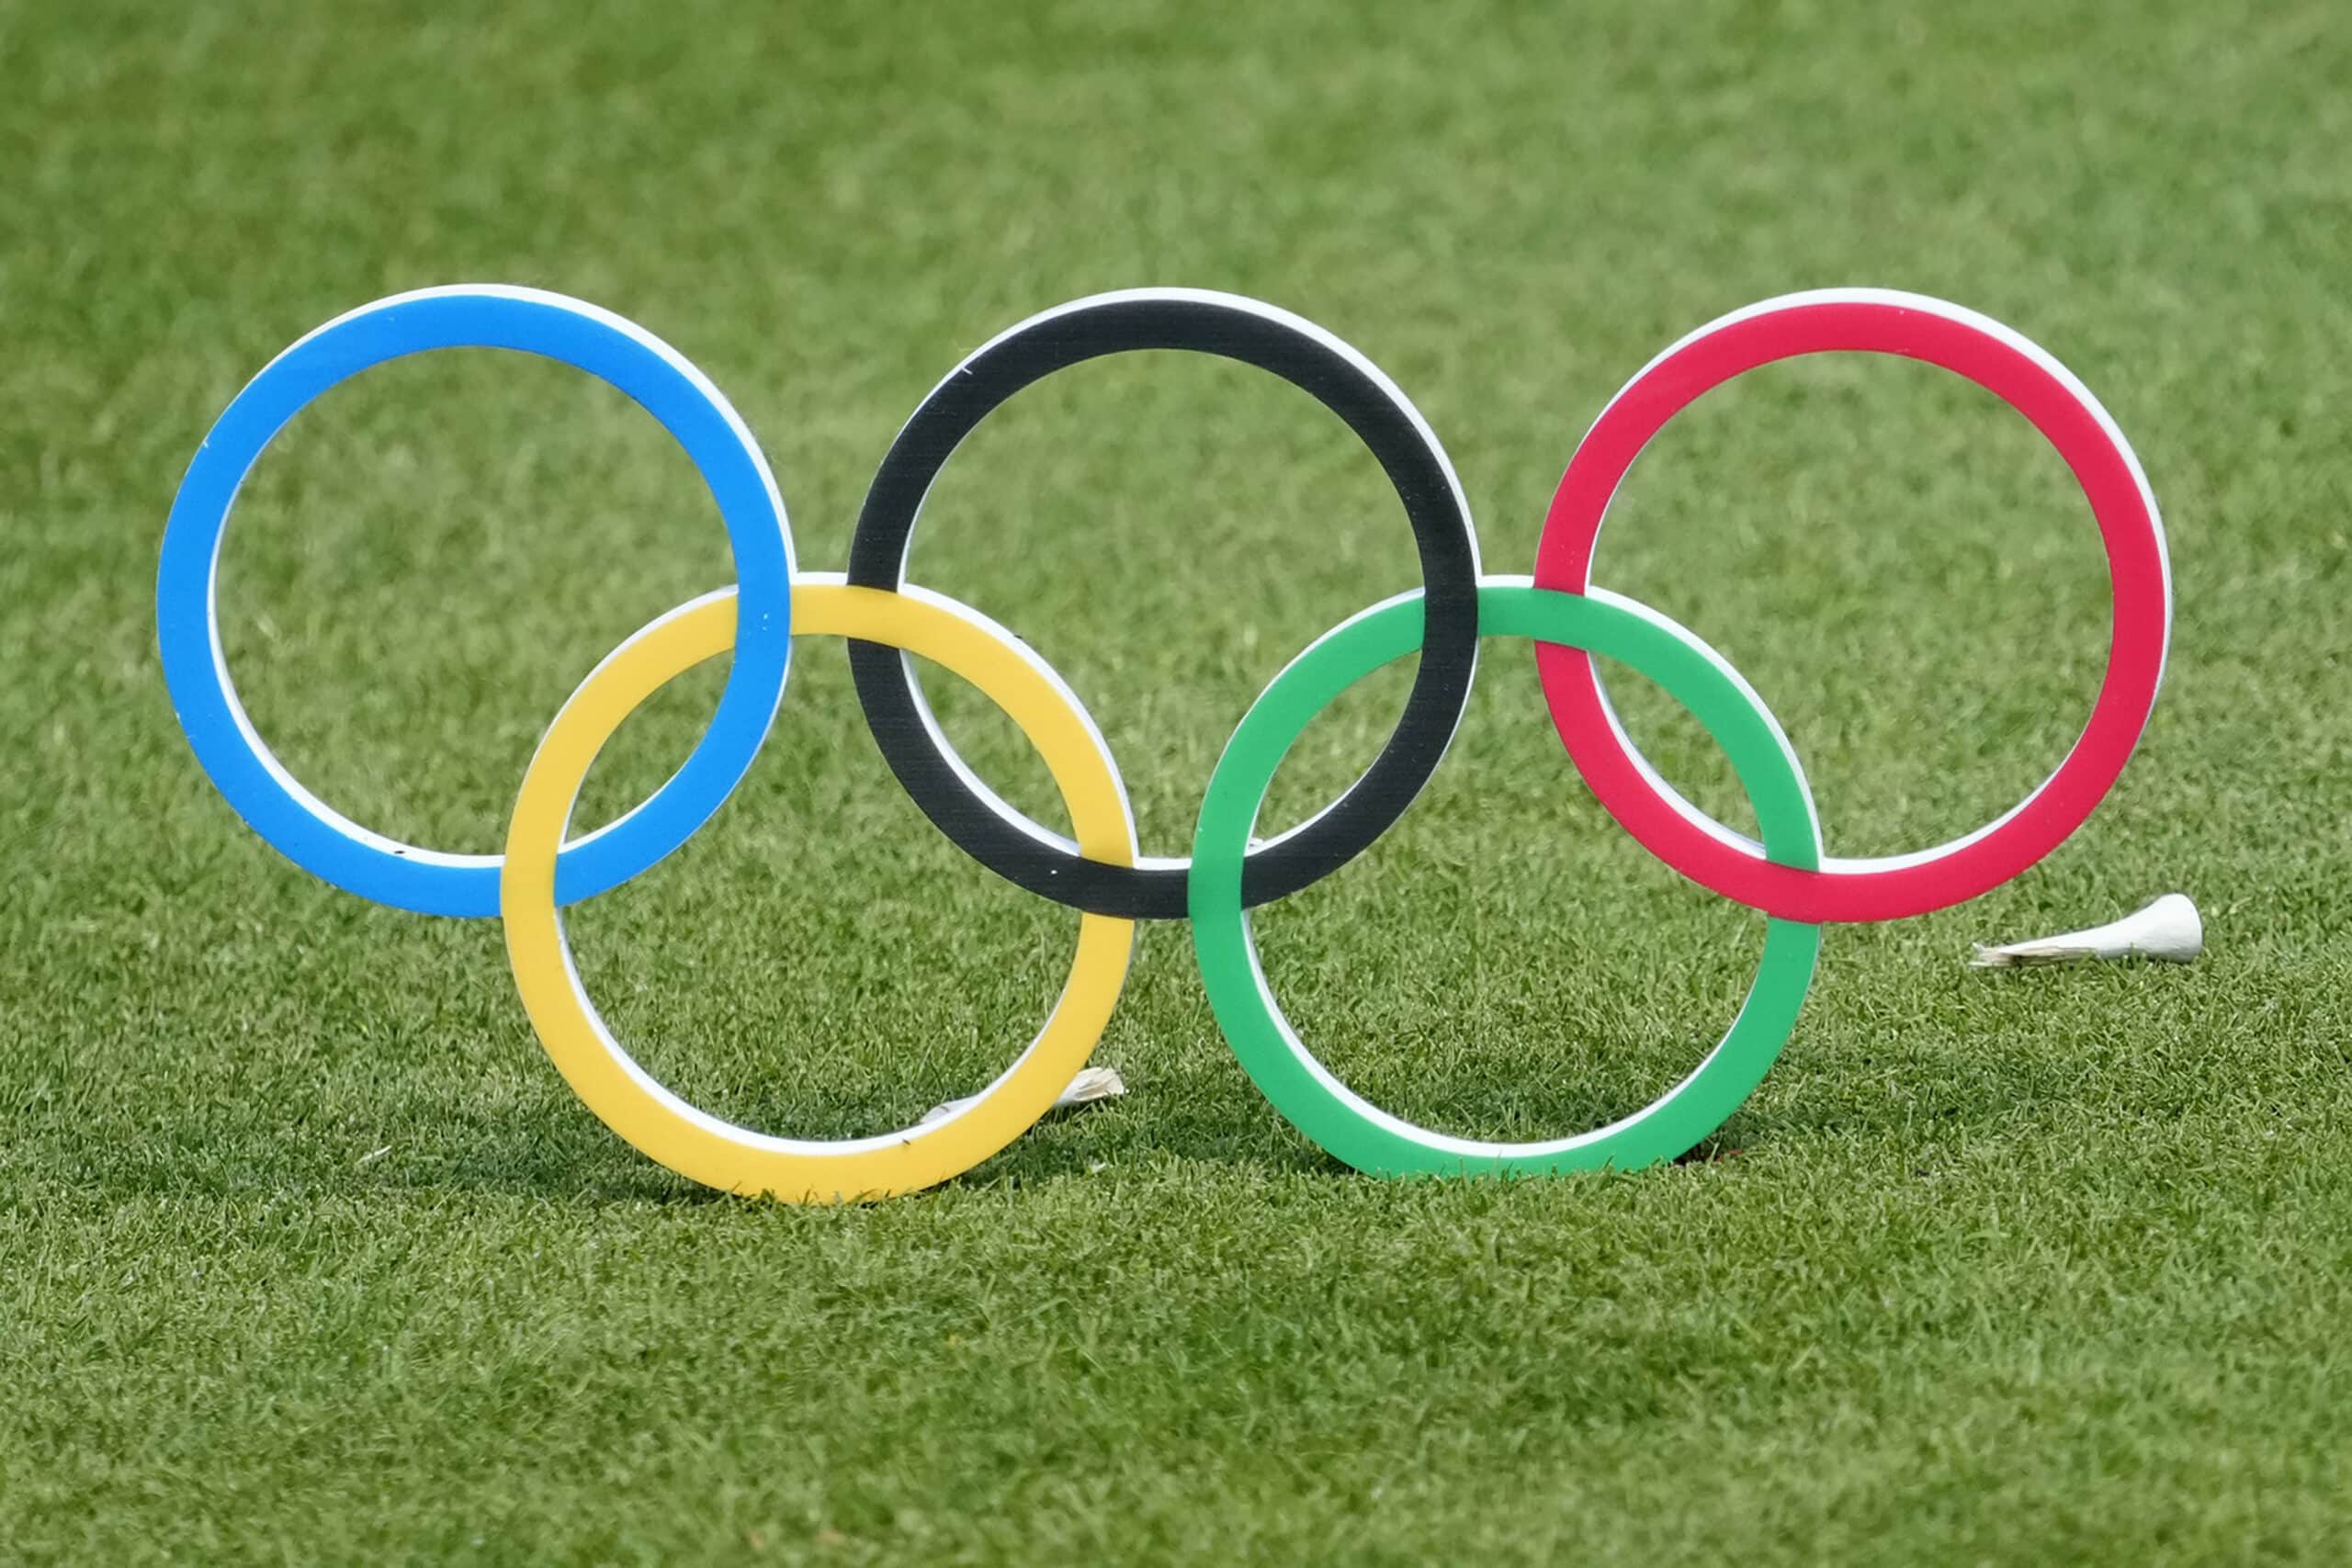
(309, 1254)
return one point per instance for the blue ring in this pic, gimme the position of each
(312, 834)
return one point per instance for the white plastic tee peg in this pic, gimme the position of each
(1091, 1086)
(2169, 930)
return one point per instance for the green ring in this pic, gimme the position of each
(1301, 1087)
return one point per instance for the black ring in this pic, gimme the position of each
(991, 832)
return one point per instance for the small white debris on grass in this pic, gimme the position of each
(372, 1156)
(1091, 1086)
(2169, 930)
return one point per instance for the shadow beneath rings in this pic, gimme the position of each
(1200, 1119)
(1265, 1146)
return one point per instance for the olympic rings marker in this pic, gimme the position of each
(2013, 370)
(718, 1153)
(996, 833)
(305, 829)
(1099, 873)
(1300, 1087)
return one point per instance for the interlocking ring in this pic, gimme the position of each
(992, 830)
(303, 827)
(1288, 1074)
(1869, 321)
(1100, 872)
(700, 1145)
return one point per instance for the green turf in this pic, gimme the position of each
(307, 1253)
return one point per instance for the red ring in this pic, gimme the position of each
(2020, 374)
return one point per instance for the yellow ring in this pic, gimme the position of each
(702, 1146)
